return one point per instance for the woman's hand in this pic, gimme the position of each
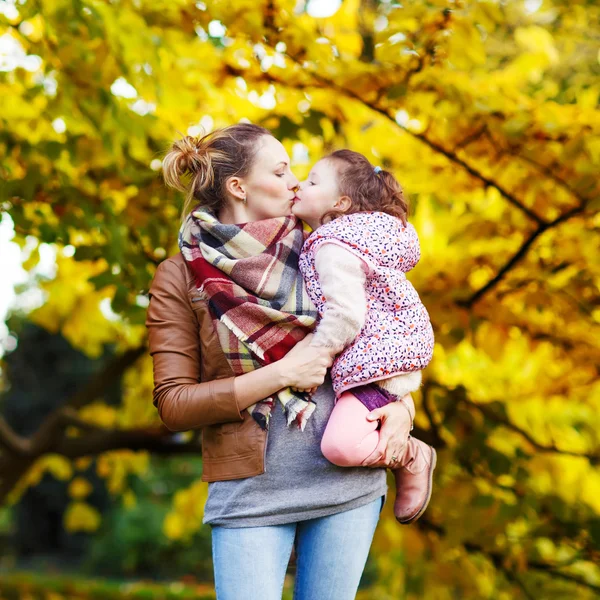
(304, 367)
(396, 423)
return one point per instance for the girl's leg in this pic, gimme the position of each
(250, 562)
(349, 438)
(332, 552)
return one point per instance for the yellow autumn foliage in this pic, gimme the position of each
(486, 111)
(80, 516)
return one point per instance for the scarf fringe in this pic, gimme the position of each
(296, 408)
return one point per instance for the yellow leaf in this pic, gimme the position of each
(536, 39)
(129, 499)
(59, 466)
(99, 414)
(81, 464)
(79, 488)
(173, 526)
(80, 516)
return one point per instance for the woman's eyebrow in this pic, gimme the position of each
(282, 162)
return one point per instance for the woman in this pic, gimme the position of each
(234, 289)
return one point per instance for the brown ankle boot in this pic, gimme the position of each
(414, 476)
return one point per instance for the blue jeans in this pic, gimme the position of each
(250, 562)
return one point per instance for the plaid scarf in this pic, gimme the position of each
(249, 275)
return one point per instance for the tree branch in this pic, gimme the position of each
(11, 441)
(438, 440)
(469, 139)
(99, 382)
(499, 560)
(96, 440)
(519, 255)
(552, 175)
(513, 577)
(496, 418)
(158, 440)
(43, 438)
(492, 416)
(20, 453)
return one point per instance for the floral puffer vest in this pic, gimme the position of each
(397, 336)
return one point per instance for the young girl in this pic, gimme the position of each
(354, 265)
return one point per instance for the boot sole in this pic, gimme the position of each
(429, 490)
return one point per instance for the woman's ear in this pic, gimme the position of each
(343, 203)
(235, 187)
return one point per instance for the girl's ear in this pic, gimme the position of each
(343, 203)
(234, 185)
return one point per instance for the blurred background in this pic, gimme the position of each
(487, 112)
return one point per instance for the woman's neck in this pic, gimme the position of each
(234, 214)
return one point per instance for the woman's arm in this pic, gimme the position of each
(174, 342)
(303, 367)
(184, 403)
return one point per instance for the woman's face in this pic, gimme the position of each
(270, 184)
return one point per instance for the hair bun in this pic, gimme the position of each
(199, 165)
(188, 149)
(192, 155)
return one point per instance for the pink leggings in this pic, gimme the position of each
(349, 438)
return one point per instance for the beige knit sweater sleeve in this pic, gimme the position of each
(342, 276)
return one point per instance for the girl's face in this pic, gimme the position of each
(318, 195)
(270, 185)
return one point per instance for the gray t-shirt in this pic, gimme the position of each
(299, 483)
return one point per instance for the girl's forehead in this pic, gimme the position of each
(322, 166)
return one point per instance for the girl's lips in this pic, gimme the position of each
(295, 199)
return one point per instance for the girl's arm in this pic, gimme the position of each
(342, 276)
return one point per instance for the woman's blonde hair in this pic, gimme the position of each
(200, 166)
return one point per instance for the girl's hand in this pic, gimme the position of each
(393, 435)
(304, 367)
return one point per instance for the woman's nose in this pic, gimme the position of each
(294, 185)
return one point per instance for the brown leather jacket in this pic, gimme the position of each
(185, 350)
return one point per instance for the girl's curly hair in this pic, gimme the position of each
(367, 189)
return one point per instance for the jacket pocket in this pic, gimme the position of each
(231, 440)
(220, 441)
